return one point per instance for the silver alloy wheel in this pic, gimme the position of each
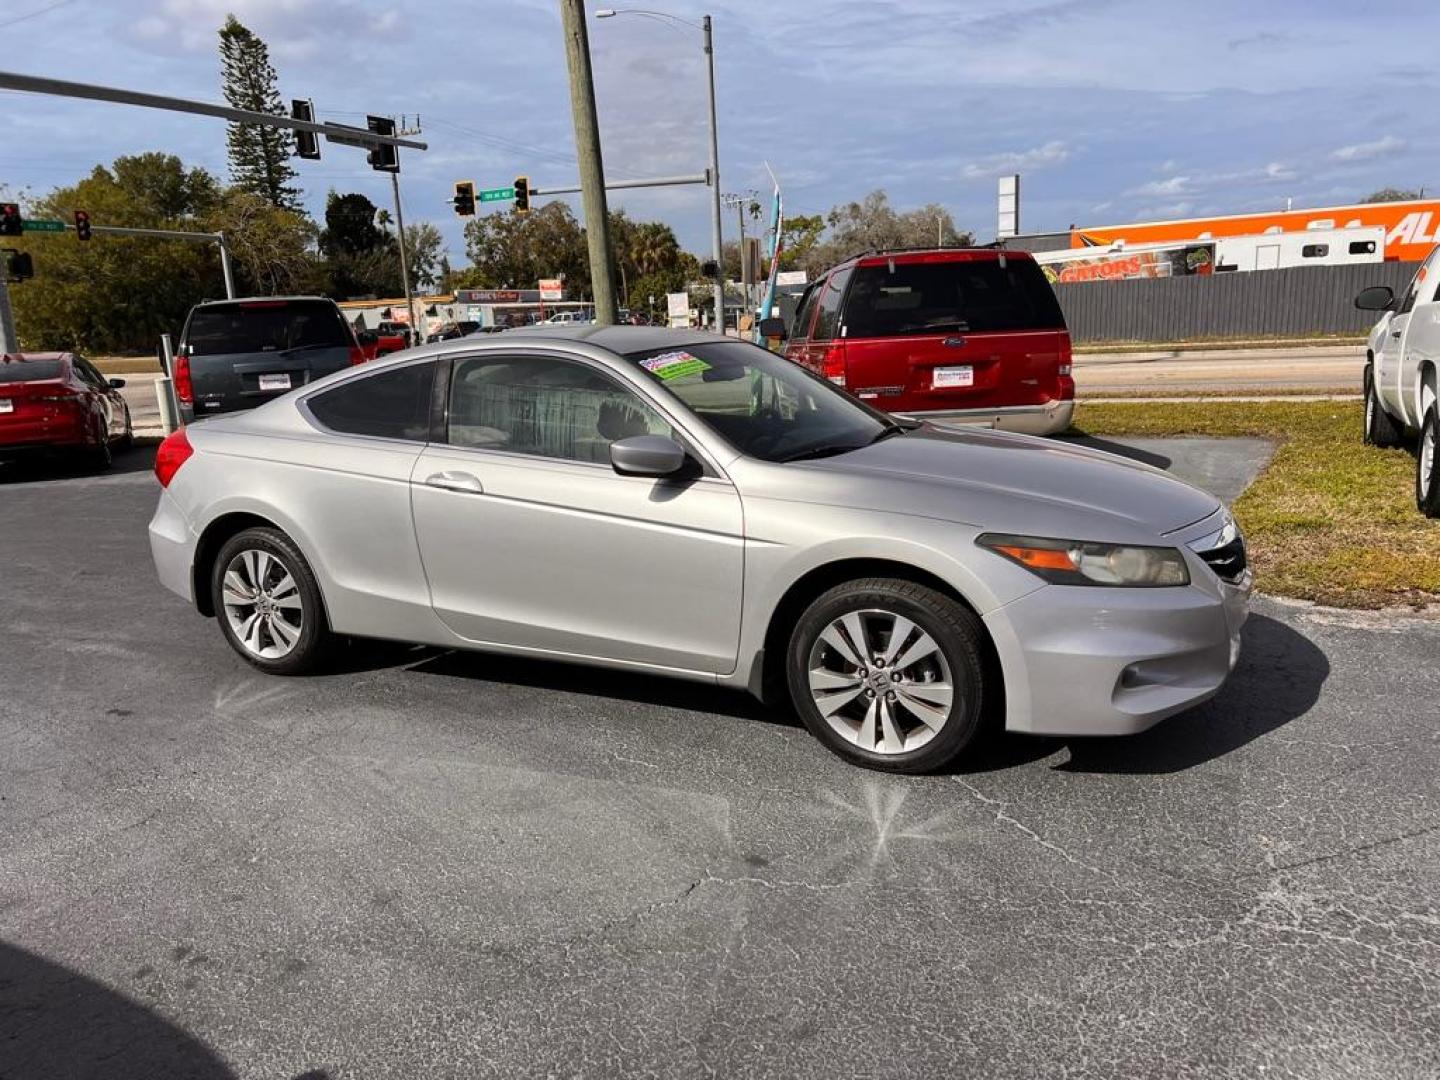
(1427, 459)
(1369, 408)
(880, 681)
(262, 604)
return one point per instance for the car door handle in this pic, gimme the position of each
(456, 481)
(1396, 333)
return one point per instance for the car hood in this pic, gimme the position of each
(1006, 483)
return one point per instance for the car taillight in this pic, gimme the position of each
(357, 355)
(833, 366)
(173, 453)
(1064, 379)
(184, 388)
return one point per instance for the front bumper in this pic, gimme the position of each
(1105, 661)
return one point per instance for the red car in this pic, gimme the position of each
(976, 332)
(57, 401)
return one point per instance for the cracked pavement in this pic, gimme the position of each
(438, 864)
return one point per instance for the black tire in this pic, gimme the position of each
(1427, 465)
(313, 645)
(960, 640)
(128, 439)
(1380, 427)
(100, 457)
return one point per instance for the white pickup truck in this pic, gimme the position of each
(1402, 358)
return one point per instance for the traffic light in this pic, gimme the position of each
(385, 157)
(19, 266)
(82, 224)
(307, 143)
(10, 219)
(465, 198)
(522, 194)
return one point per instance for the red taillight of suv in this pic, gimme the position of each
(833, 366)
(184, 388)
(173, 453)
(1065, 380)
(357, 355)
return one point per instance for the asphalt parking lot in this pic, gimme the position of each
(439, 864)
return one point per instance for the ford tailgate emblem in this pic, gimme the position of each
(954, 342)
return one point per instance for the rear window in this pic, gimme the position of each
(265, 327)
(13, 371)
(392, 404)
(975, 296)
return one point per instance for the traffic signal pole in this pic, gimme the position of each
(415, 334)
(9, 343)
(587, 150)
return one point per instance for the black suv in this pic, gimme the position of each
(236, 354)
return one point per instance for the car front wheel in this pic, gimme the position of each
(888, 674)
(269, 604)
(1427, 476)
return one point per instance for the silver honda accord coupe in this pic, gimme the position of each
(689, 505)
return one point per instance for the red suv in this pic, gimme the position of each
(970, 331)
(59, 401)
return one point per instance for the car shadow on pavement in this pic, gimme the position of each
(1278, 679)
(598, 682)
(1092, 442)
(56, 1022)
(46, 468)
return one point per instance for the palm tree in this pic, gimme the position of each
(655, 247)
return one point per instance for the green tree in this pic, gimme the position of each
(423, 244)
(272, 249)
(510, 250)
(799, 235)
(361, 257)
(259, 155)
(1392, 194)
(112, 293)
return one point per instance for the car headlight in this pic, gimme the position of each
(1079, 562)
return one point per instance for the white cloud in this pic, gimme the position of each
(1172, 185)
(1040, 157)
(1365, 151)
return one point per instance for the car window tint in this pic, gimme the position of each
(800, 329)
(266, 326)
(392, 404)
(973, 295)
(828, 320)
(89, 374)
(544, 406)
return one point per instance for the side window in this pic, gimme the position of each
(546, 407)
(827, 323)
(1314, 251)
(89, 375)
(391, 404)
(800, 329)
(1424, 279)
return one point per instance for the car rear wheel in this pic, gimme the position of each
(1380, 428)
(1427, 476)
(268, 603)
(888, 674)
(99, 456)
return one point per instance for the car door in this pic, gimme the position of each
(107, 399)
(1390, 361)
(529, 538)
(1419, 341)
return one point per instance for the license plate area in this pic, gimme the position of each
(280, 381)
(942, 378)
(6, 405)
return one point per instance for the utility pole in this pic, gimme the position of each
(715, 241)
(9, 343)
(587, 150)
(415, 335)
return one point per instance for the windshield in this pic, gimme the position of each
(762, 404)
(968, 296)
(265, 326)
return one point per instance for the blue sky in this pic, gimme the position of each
(1112, 110)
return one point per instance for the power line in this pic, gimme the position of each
(35, 13)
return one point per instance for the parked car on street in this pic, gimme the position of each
(57, 402)
(975, 332)
(237, 354)
(391, 337)
(452, 330)
(1401, 360)
(678, 503)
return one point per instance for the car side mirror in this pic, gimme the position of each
(367, 337)
(647, 455)
(772, 328)
(116, 384)
(1375, 298)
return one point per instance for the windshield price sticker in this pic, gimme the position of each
(674, 365)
